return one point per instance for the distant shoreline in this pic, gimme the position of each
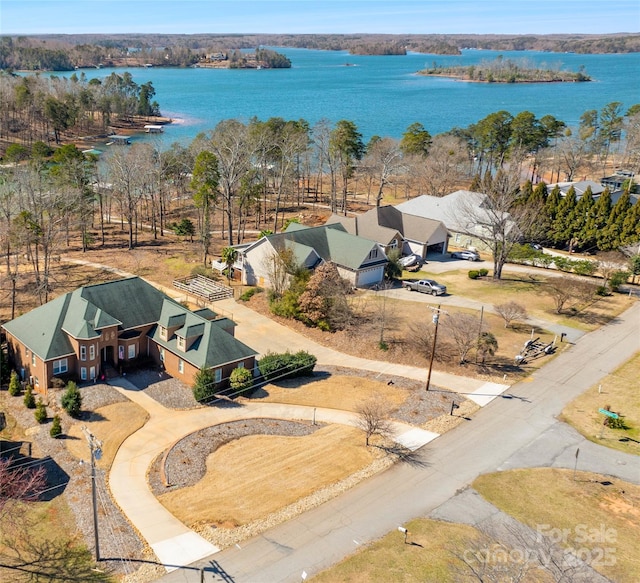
(498, 82)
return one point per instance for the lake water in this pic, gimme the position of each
(382, 95)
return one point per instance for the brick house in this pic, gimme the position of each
(81, 333)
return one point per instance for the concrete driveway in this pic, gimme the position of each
(174, 544)
(506, 433)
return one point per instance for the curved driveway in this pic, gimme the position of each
(173, 543)
(509, 432)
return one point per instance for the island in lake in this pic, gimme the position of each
(502, 70)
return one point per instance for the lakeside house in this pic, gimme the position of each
(394, 229)
(359, 260)
(83, 334)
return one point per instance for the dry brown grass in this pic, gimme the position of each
(620, 392)
(529, 291)
(251, 477)
(430, 555)
(336, 391)
(111, 424)
(546, 496)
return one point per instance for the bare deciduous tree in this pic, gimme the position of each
(510, 311)
(373, 419)
(463, 330)
(447, 162)
(496, 217)
(572, 293)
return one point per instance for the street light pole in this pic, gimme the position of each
(436, 319)
(95, 447)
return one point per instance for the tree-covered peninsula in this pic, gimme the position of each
(502, 70)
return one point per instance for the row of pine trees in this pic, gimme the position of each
(584, 223)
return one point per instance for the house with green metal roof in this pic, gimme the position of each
(359, 260)
(82, 333)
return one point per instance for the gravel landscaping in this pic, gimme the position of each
(119, 543)
(185, 463)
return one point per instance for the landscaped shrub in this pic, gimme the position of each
(474, 274)
(56, 428)
(286, 365)
(14, 384)
(247, 295)
(483, 272)
(72, 400)
(29, 400)
(617, 279)
(57, 383)
(602, 291)
(204, 385)
(240, 380)
(584, 267)
(563, 263)
(41, 412)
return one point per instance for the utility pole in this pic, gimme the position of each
(435, 319)
(95, 446)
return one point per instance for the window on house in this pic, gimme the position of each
(83, 353)
(218, 375)
(181, 343)
(373, 253)
(92, 352)
(131, 351)
(37, 382)
(92, 372)
(83, 373)
(33, 359)
(60, 366)
(180, 366)
(162, 355)
(241, 365)
(163, 332)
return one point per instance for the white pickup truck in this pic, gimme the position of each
(426, 286)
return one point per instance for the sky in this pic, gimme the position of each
(319, 16)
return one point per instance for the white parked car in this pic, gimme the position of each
(468, 255)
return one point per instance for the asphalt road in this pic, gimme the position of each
(517, 429)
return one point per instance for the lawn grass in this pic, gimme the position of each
(549, 496)
(619, 390)
(528, 290)
(335, 392)
(111, 424)
(251, 477)
(430, 555)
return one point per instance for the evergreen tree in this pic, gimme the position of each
(539, 194)
(41, 412)
(631, 226)
(562, 228)
(581, 235)
(204, 385)
(72, 400)
(56, 428)
(551, 210)
(599, 216)
(610, 237)
(14, 384)
(29, 400)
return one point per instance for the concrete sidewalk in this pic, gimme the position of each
(264, 335)
(173, 543)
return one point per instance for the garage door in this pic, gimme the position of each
(368, 277)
